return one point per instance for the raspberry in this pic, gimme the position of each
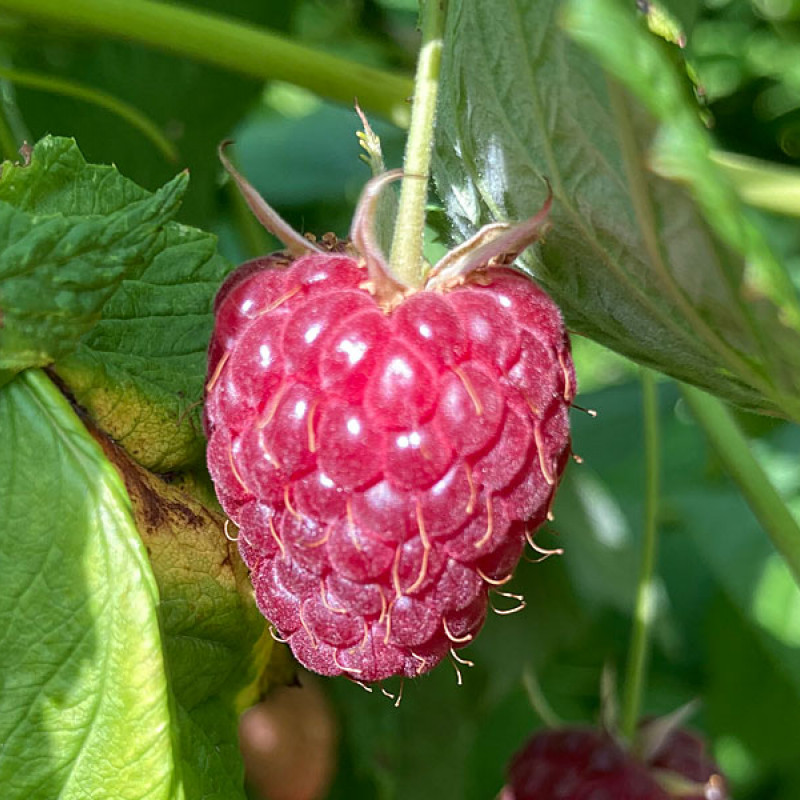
(588, 764)
(382, 458)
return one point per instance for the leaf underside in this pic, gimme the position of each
(678, 278)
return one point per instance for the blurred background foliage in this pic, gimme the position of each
(748, 60)
(728, 627)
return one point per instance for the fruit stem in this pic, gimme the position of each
(406, 257)
(645, 607)
(222, 41)
(733, 449)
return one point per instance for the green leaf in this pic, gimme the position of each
(760, 590)
(85, 704)
(59, 181)
(61, 261)
(682, 149)
(215, 639)
(139, 365)
(106, 699)
(141, 370)
(689, 288)
(763, 184)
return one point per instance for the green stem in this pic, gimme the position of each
(538, 701)
(406, 257)
(774, 187)
(644, 609)
(734, 451)
(221, 41)
(114, 105)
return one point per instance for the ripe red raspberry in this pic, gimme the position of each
(383, 458)
(588, 764)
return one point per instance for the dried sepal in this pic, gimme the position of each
(295, 243)
(497, 244)
(383, 285)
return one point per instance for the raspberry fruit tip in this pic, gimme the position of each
(587, 764)
(384, 449)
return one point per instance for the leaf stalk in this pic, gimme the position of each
(733, 450)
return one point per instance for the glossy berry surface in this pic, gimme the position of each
(383, 466)
(588, 764)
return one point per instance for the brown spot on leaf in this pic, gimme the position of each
(202, 581)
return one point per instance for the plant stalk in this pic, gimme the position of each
(221, 41)
(406, 257)
(761, 183)
(644, 610)
(733, 449)
(109, 102)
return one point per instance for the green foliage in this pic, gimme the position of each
(179, 105)
(140, 371)
(747, 56)
(129, 587)
(622, 257)
(102, 593)
(130, 637)
(85, 682)
(66, 249)
(98, 280)
(214, 639)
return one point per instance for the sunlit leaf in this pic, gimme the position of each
(85, 701)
